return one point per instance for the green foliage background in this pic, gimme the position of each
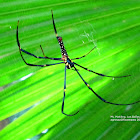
(114, 25)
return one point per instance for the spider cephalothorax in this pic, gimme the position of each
(69, 63)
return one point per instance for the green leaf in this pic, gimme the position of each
(36, 93)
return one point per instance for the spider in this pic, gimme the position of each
(69, 64)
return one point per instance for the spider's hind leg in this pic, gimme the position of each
(64, 96)
(100, 73)
(102, 99)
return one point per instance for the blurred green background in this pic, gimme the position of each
(36, 93)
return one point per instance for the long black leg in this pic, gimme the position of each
(100, 73)
(31, 54)
(54, 24)
(64, 95)
(84, 55)
(45, 57)
(100, 96)
(49, 57)
(38, 65)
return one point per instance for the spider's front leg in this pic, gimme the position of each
(54, 24)
(20, 49)
(31, 54)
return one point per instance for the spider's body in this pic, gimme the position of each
(68, 65)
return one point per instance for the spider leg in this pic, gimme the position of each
(54, 24)
(84, 55)
(49, 57)
(98, 95)
(42, 51)
(37, 65)
(64, 96)
(45, 57)
(100, 73)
